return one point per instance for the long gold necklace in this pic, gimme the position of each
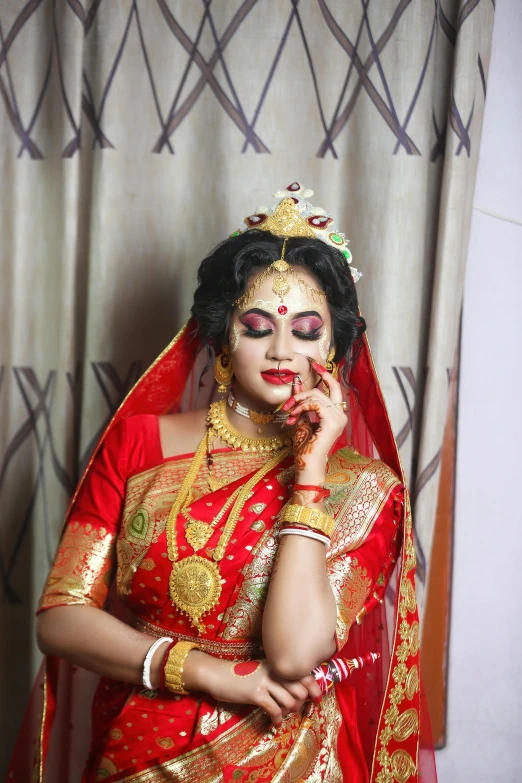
(195, 582)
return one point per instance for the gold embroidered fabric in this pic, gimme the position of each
(85, 562)
(83, 568)
(303, 749)
(359, 488)
(351, 586)
(149, 498)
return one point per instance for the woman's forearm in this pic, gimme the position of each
(300, 612)
(97, 641)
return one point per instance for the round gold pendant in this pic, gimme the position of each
(195, 587)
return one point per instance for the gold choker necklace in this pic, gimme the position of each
(218, 422)
(258, 417)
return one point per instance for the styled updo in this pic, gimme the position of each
(224, 274)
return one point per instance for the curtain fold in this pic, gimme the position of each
(134, 136)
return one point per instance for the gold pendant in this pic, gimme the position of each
(214, 483)
(197, 533)
(261, 418)
(281, 286)
(195, 587)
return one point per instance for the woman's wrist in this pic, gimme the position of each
(313, 474)
(196, 671)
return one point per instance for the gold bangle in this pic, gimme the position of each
(309, 517)
(174, 666)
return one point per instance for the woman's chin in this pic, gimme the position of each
(263, 399)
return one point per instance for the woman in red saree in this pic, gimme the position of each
(255, 538)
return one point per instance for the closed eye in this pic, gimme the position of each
(307, 327)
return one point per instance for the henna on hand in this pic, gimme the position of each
(304, 439)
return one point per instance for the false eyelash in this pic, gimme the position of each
(253, 333)
(313, 335)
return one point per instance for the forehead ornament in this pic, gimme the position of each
(293, 216)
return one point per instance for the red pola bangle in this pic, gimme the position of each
(321, 493)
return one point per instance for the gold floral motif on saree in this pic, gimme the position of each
(351, 586)
(83, 567)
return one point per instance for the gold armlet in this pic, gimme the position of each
(309, 517)
(174, 666)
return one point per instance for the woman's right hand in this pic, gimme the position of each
(226, 681)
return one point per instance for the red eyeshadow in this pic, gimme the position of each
(257, 322)
(309, 323)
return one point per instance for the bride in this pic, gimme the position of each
(238, 545)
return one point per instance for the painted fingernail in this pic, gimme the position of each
(288, 404)
(297, 379)
(291, 420)
(317, 700)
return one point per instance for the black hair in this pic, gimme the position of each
(223, 277)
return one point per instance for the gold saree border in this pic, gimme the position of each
(222, 649)
(392, 725)
(387, 481)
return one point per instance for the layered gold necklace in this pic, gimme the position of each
(195, 581)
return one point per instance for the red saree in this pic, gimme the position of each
(365, 730)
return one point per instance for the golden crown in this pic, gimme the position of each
(293, 216)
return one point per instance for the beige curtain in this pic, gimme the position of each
(135, 134)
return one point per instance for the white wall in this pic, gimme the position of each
(485, 663)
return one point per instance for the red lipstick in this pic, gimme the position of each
(278, 377)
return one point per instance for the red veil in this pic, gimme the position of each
(392, 714)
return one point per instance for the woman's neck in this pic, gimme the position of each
(246, 425)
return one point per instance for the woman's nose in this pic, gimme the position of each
(280, 349)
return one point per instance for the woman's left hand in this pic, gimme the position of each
(313, 441)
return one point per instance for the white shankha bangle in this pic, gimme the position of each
(148, 660)
(307, 534)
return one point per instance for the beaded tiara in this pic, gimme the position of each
(293, 216)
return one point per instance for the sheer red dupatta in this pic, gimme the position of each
(391, 717)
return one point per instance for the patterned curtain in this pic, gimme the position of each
(135, 134)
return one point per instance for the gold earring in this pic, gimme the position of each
(223, 371)
(331, 366)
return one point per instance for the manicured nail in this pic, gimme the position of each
(317, 700)
(288, 404)
(291, 420)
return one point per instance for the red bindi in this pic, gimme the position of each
(282, 310)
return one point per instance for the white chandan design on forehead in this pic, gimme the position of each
(275, 309)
